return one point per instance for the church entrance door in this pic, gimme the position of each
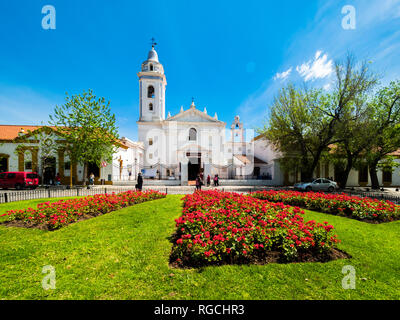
(193, 168)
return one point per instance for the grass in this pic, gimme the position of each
(124, 255)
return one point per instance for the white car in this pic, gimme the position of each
(320, 184)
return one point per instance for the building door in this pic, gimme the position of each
(193, 168)
(3, 164)
(49, 170)
(93, 168)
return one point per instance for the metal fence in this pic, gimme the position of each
(13, 196)
(373, 195)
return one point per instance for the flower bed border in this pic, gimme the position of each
(343, 211)
(209, 230)
(110, 200)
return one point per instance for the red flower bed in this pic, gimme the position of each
(367, 209)
(220, 227)
(58, 214)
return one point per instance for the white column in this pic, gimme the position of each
(184, 174)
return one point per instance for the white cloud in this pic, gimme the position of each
(318, 68)
(327, 86)
(284, 75)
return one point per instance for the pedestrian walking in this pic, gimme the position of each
(139, 184)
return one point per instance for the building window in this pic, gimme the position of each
(67, 165)
(151, 67)
(150, 107)
(150, 92)
(150, 141)
(387, 175)
(363, 174)
(192, 134)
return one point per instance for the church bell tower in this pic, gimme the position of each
(152, 83)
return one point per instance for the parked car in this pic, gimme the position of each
(19, 180)
(320, 184)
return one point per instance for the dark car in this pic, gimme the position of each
(19, 180)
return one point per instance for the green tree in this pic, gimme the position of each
(88, 128)
(298, 129)
(386, 131)
(303, 124)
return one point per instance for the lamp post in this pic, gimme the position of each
(135, 167)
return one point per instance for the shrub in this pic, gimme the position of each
(366, 209)
(58, 214)
(220, 227)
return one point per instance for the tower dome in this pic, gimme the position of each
(153, 56)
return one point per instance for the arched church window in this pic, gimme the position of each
(151, 67)
(150, 107)
(192, 134)
(150, 92)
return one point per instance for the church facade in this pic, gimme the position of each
(192, 142)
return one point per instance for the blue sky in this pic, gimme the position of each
(231, 56)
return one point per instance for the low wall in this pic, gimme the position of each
(247, 183)
(149, 182)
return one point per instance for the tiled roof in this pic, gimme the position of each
(10, 132)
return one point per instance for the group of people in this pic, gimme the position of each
(199, 181)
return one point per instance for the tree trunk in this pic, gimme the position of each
(374, 175)
(345, 174)
(306, 172)
(306, 175)
(84, 174)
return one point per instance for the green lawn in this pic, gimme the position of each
(124, 255)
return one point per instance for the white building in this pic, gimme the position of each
(21, 150)
(190, 143)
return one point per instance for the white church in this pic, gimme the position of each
(178, 148)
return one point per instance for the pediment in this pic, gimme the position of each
(193, 115)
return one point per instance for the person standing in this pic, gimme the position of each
(58, 179)
(139, 184)
(91, 179)
(198, 182)
(208, 180)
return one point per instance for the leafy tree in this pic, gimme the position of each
(303, 124)
(298, 129)
(88, 128)
(386, 131)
